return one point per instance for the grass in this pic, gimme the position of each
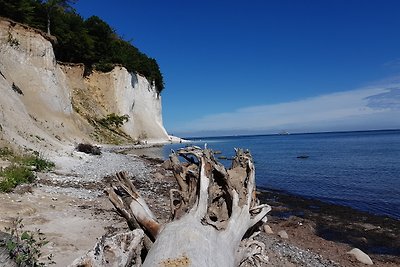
(15, 175)
(38, 163)
(21, 169)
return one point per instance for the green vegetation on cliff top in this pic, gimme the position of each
(91, 41)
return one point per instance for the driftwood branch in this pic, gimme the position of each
(121, 250)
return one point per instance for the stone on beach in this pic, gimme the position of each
(267, 229)
(361, 256)
(167, 165)
(283, 234)
(158, 176)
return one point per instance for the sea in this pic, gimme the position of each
(357, 169)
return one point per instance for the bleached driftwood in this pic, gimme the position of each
(214, 213)
(120, 250)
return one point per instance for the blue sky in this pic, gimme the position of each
(259, 66)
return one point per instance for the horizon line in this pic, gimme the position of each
(295, 133)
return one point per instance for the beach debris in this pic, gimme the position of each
(88, 149)
(119, 250)
(360, 256)
(283, 234)
(211, 212)
(268, 229)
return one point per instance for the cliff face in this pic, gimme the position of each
(118, 92)
(45, 103)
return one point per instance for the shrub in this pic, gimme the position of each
(113, 120)
(20, 172)
(104, 67)
(38, 162)
(25, 246)
(15, 175)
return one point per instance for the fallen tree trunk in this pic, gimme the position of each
(215, 213)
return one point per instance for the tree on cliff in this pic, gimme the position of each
(18, 10)
(51, 5)
(92, 41)
(74, 44)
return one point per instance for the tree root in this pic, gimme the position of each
(213, 212)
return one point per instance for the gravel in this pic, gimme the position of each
(281, 253)
(94, 168)
(83, 177)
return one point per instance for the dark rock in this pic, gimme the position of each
(89, 149)
(303, 157)
(17, 89)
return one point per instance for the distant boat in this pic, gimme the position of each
(284, 133)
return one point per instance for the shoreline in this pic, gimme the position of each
(74, 192)
(315, 224)
(144, 154)
(270, 190)
(376, 235)
(143, 144)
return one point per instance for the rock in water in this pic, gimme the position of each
(283, 234)
(361, 256)
(267, 229)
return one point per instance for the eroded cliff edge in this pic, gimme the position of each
(53, 105)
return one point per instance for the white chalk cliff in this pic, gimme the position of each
(44, 103)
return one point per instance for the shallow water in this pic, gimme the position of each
(357, 169)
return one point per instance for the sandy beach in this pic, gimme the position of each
(69, 206)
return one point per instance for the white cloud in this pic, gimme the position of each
(368, 108)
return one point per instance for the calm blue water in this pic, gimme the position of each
(357, 169)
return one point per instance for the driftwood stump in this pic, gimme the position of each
(215, 215)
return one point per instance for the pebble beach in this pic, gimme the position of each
(69, 202)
